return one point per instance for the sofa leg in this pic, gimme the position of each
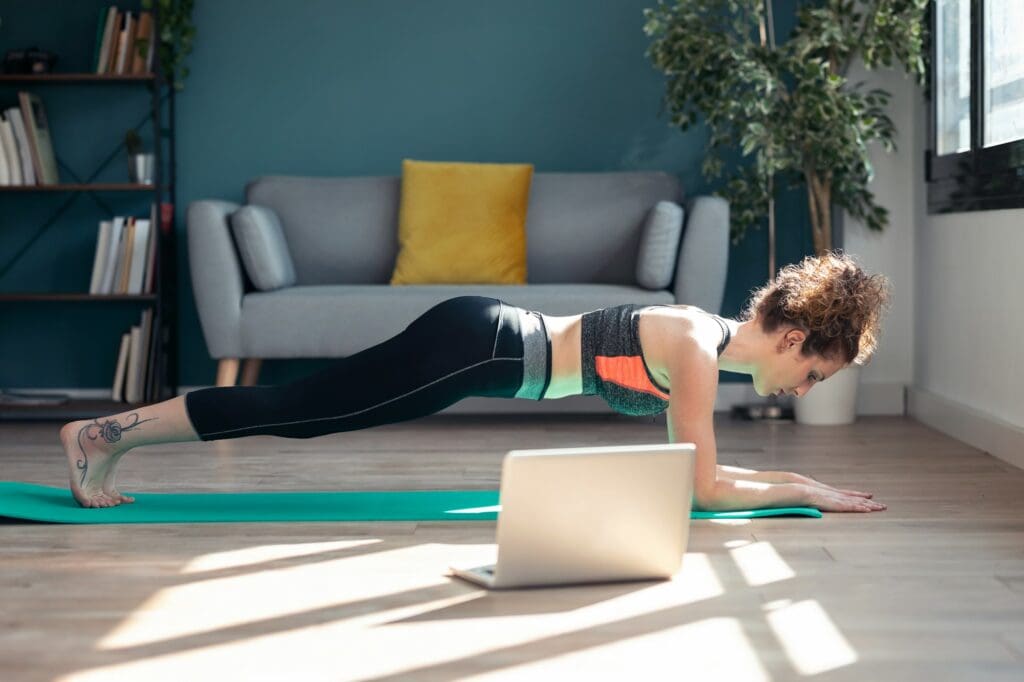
(227, 372)
(251, 371)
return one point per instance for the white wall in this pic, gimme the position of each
(969, 323)
(890, 252)
(956, 327)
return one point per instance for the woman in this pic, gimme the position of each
(812, 320)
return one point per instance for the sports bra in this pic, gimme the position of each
(613, 362)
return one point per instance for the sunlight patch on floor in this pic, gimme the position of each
(711, 649)
(809, 636)
(391, 601)
(237, 600)
(759, 563)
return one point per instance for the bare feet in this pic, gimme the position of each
(93, 449)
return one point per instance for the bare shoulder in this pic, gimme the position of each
(692, 369)
(683, 339)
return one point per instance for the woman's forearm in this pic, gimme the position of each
(732, 495)
(741, 474)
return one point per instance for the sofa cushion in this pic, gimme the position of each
(262, 247)
(580, 227)
(659, 245)
(331, 321)
(462, 223)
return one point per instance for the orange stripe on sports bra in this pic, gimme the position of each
(627, 371)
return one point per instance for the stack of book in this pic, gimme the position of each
(125, 257)
(26, 149)
(133, 361)
(124, 42)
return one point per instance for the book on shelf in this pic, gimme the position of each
(142, 59)
(137, 358)
(133, 361)
(148, 285)
(110, 262)
(112, 26)
(99, 256)
(125, 256)
(5, 173)
(28, 176)
(116, 252)
(28, 156)
(125, 42)
(38, 134)
(12, 161)
(122, 364)
(139, 261)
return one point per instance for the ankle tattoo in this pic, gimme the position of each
(110, 431)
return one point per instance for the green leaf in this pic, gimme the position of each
(784, 109)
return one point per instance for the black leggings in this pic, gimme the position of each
(463, 346)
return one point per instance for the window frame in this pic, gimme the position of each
(982, 178)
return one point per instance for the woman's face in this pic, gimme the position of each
(787, 372)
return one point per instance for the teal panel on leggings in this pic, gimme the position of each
(55, 505)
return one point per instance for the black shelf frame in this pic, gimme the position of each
(162, 353)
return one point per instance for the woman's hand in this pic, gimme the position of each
(804, 480)
(832, 500)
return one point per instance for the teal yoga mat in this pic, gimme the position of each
(55, 505)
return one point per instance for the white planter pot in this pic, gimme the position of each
(140, 168)
(830, 402)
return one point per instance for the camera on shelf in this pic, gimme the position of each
(29, 60)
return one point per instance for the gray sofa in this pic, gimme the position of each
(583, 236)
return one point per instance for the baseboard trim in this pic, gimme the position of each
(984, 431)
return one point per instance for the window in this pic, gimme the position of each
(1004, 72)
(953, 76)
(975, 159)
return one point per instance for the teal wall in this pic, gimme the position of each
(334, 88)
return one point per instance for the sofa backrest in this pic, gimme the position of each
(580, 227)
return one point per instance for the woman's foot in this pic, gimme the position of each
(93, 449)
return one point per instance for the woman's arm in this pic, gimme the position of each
(690, 417)
(741, 474)
(691, 420)
(732, 495)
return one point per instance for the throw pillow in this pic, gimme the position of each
(659, 245)
(262, 247)
(462, 223)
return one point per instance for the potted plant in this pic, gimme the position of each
(792, 112)
(175, 41)
(140, 164)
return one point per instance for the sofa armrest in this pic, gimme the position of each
(217, 279)
(703, 254)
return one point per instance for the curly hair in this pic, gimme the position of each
(829, 297)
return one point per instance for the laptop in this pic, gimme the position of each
(590, 514)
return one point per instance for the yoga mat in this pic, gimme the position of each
(55, 505)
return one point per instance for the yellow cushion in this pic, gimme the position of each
(462, 223)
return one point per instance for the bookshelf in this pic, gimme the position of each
(160, 383)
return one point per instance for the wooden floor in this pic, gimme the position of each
(931, 589)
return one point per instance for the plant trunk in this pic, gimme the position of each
(819, 197)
